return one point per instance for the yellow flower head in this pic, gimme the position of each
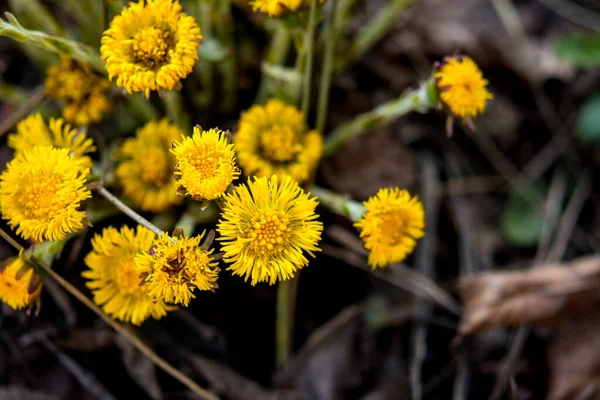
(277, 8)
(83, 93)
(266, 226)
(205, 164)
(390, 226)
(173, 271)
(41, 191)
(461, 87)
(33, 131)
(151, 45)
(20, 284)
(114, 280)
(272, 140)
(146, 167)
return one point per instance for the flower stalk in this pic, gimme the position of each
(339, 204)
(421, 99)
(128, 211)
(327, 69)
(309, 39)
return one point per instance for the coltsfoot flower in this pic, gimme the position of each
(205, 164)
(83, 93)
(461, 88)
(151, 45)
(266, 227)
(172, 271)
(145, 169)
(277, 8)
(391, 225)
(114, 279)
(272, 140)
(41, 191)
(33, 131)
(20, 284)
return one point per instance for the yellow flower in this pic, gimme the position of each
(146, 167)
(32, 131)
(272, 140)
(266, 226)
(205, 164)
(41, 191)
(461, 87)
(114, 280)
(20, 284)
(174, 270)
(276, 8)
(151, 45)
(83, 92)
(390, 226)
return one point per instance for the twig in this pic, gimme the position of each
(327, 69)
(424, 265)
(309, 45)
(568, 221)
(36, 98)
(131, 337)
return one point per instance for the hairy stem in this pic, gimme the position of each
(421, 99)
(327, 69)
(309, 39)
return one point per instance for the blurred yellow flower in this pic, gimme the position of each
(461, 87)
(20, 284)
(83, 93)
(205, 163)
(276, 8)
(173, 271)
(272, 140)
(114, 280)
(41, 191)
(33, 131)
(145, 169)
(390, 226)
(266, 226)
(151, 45)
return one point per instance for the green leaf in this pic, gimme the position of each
(588, 121)
(580, 50)
(523, 220)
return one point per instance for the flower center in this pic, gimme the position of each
(392, 228)
(39, 199)
(156, 166)
(269, 232)
(206, 165)
(279, 143)
(127, 278)
(151, 46)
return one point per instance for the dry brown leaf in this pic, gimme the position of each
(574, 356)
(522, 297)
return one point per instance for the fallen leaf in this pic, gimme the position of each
(574, 356)
(537, 295)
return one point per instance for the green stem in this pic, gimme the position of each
(374, 30)
(228, 66)
(284, 323)
(339, 204)
(173, 104)
(421, 99)
(205, 67)
(327, 69)
(309, 46)
(278, 51)
(142, 107)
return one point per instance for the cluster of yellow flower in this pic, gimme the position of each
(267, 225)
